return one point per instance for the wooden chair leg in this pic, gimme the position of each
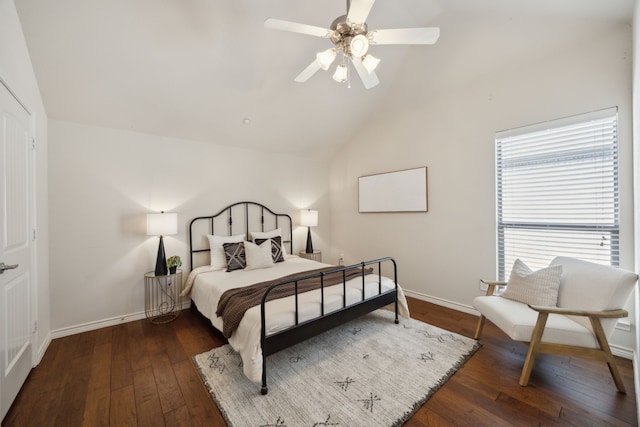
(479, 327)
(604, 346)
(534, 345)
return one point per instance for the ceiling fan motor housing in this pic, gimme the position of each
(346, 36)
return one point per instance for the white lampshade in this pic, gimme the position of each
(341, 75)
(370, 63)
(326, 58)
(308, 218)
(162, 224)
(359, 45)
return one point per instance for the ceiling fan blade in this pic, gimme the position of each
(359, 11)
(308, 72)
(368, 79)
(427, 35)
(294, 27)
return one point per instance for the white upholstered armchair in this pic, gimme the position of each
(570, 308)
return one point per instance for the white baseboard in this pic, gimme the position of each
(99, 324)
(443, 302)
(623, 352)
(42, 349)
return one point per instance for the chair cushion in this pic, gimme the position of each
(517, 321)
(533, 287)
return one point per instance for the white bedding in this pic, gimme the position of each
(206, 287)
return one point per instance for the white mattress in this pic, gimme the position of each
(207, 286)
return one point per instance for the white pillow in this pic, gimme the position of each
(218, 260)
(269, 234)
(534, 287)
(258, 256)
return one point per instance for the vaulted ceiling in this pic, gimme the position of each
(196, 69)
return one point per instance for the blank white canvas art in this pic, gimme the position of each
(400, 191)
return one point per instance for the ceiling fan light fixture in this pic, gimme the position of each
(341, 74)
(370, 63)
(359, 45)
(351, 37)
(326, 58)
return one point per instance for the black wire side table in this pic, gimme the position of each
(162, 296)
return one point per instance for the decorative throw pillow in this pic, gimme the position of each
(534, 287)
(258, 256)
(234, 253)
(268, 235)
(276, 247)
(218, 259)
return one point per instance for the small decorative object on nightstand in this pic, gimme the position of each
(162, 296)
(173, 262)
(316, 255)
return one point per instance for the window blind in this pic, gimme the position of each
(557, 191)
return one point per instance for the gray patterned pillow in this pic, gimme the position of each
(534, 287)
(276, 247)
(234, 253)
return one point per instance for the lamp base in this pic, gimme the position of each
(161, 261)
(309, 249)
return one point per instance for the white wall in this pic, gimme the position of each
(442, 254)
(16, 69)
(104, 181)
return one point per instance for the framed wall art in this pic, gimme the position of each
(399, 191)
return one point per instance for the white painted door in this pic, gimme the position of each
(15, 248)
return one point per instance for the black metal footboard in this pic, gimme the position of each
(303, 330)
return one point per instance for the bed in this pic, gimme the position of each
(312, 297)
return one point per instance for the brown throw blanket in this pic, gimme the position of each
(235, 302)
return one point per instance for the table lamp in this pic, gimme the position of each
(162, 224)
(309, 218)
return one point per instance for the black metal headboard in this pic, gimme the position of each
(241, 218)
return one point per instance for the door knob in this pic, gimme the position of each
(4, 267)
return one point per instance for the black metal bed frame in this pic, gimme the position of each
(301, 331)
(246, 230)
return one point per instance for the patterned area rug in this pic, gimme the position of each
(368, 372)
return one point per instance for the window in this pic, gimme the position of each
(557, 191)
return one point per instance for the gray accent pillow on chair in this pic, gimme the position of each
(534, 287)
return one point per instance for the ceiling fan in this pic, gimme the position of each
(352, 39)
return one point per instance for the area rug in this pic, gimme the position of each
(368, 372)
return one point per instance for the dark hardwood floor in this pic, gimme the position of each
(141, 374)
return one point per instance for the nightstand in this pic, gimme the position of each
(316, 255)
(162, 296)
